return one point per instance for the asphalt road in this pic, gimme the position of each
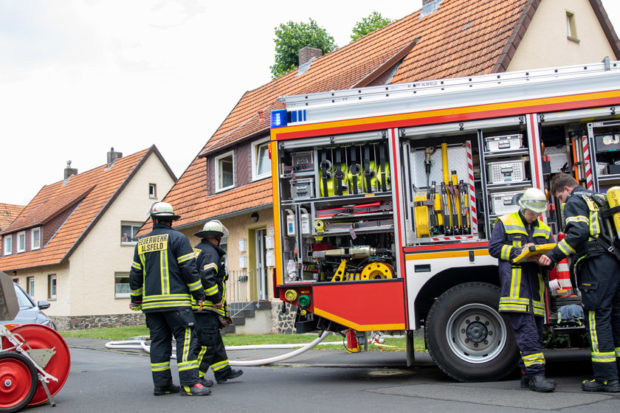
(319, 381)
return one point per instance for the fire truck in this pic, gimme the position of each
(385, 198)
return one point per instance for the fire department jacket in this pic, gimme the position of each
(163, 274)
(582, 224)
(211, 264)
(522, 285)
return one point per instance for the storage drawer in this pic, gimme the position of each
(501, 203)
(302, 188)
(504, 142)
(506, 171)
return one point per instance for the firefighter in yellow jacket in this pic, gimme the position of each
(212, 266)
(163, 279)
(522, 285)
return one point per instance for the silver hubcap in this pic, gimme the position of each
(476, 333)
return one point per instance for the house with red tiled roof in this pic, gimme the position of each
(8, 212)
(73, 243)
(230, 178)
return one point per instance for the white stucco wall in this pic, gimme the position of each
(101, 255)
(60, 305)
(546, 43)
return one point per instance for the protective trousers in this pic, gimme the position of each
(528, 331)
(599, 283)
(212, 353)
(163, 325)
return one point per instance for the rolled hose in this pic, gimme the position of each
(141, 344)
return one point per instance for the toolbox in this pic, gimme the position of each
(506, 171)
(502, 202)
(607, 143)
(504, 142)
(302, 188)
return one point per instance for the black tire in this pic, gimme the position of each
(16, 370)
(466, 335)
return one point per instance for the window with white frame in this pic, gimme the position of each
(129, 231)
(7, 241)
(35, 238)
(21, 241)
(51, 286)
(224, 171)
(153, 191)
(30, 286)
(121, 285)
(261, 165)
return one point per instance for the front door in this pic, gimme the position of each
(261, 269)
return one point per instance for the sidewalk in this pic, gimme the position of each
(314, 358)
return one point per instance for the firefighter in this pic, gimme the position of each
(522, 285)
(214, 314)
(163, 279)
(598, 278)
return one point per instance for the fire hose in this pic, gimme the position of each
(141, 344)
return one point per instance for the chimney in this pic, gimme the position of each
(308, 53)
(113, 156)
(69, 170)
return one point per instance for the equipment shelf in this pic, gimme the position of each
(506, 154)
(505, 186)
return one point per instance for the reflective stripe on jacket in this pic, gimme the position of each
(522, 286)
(163, 273)
(211, 264)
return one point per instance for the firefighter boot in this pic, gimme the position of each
(232, 374)
(610, 386)
(205, 382)
(195, 390)
(541, 384)
(169, 389)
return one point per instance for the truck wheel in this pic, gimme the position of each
(467, 337)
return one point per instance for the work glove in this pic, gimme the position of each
(135, 306)
(201, 304)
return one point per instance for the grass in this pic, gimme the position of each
(125, 333)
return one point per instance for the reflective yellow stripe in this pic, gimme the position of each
(617, 350)
(576, 219)
(592, 326)
(533, 359)
(211, 291)
(515, 282)
(195, 286)
(160, 366)
(137, 292)
(187, 365)
(201, 354)
(187, 343)
(210, 265)
(185, 257)
(505, 252)
(566, 248)
(220, 365)
(136, 265)
(607, 357)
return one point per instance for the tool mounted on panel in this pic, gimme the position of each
(355, 172)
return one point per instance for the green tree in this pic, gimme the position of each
(369, 24)
(291, 37)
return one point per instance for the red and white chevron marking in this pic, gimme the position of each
(472, 189)
(587, 162)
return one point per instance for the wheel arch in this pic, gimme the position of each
(447, 279)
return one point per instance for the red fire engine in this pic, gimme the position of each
(385, 197)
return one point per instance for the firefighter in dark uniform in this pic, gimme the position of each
(522, 284)
(214, 313)
(598, 278)
(163, 279)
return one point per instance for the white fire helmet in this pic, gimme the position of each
(213, 229)
(534, 199)
(163, 210)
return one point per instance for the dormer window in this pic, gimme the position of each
(35, 238)
(224, 171)
(21, 241)
(7, 241)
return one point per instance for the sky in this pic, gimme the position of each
(78, 77)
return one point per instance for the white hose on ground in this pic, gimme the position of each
(141, 344)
